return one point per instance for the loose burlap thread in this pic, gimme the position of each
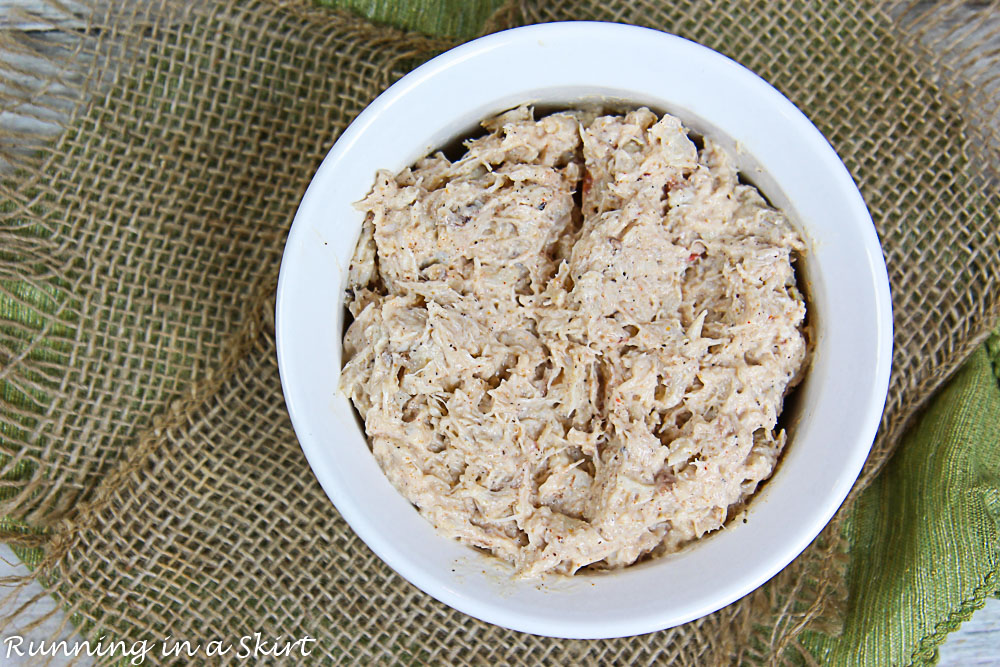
(148, 461)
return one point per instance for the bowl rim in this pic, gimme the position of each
(381, 544)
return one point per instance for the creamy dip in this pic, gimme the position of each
(571, 346)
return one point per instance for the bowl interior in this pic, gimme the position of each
(561, 65)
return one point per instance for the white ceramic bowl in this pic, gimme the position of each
(781, 151)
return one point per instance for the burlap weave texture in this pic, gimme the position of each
(144, 434)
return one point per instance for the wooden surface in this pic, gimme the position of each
(977, 642)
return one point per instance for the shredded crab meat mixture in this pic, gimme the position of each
(571, 346)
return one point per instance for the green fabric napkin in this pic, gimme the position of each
(461, 19)
(925, 536)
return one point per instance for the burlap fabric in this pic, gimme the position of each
(149, 468)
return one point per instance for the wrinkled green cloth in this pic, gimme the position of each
(925, 536)
(463, 19)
